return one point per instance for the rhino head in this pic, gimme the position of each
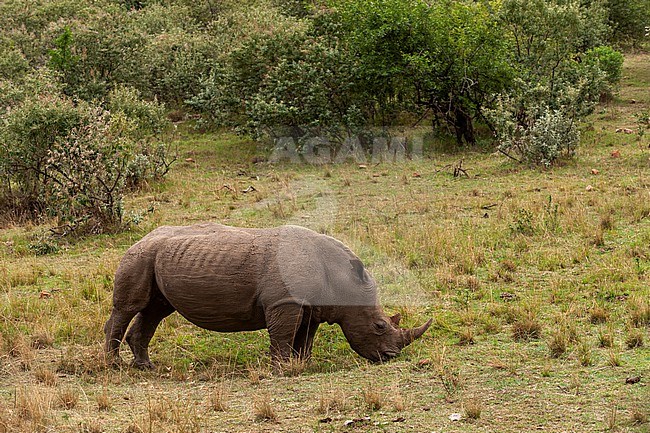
(370, 332)
(321, 272)
(374, 335)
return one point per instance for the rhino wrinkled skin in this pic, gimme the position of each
(287, 279)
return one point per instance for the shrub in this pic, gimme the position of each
(608, 60)
(38, 82)
(73, 162)
(147, 118)
(174, 62)
(62, 59)
(307, 94)
(86, 174)
(610, 63)
(30, 131)
(13, 64)
(540, 140)
(629, 20)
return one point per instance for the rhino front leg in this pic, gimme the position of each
(143, 328)
(283, 322)
(304, 339)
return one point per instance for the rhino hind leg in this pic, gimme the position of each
(114, 329)
(143, 328)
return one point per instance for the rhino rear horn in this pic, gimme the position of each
(410, 335)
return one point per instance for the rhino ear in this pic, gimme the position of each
(359, 269)
(395, 319)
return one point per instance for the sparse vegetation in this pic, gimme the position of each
(218, 399)
(634, 338)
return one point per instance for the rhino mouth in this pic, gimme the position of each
(385, 356)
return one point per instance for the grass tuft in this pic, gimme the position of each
(218, 398)
(611, 418)
(104, 401)
(373, 397)
(558, 342)
(614, 359)
(294, 366)
(638, 416)
(639, 310)
(34, 405)
(67, 398)
(45, 376)
(634, 338)
(447, 373)
(466, 336)
(605, 337)
(472, 408)
(598, 315)
(91, 427)
(331, 400)
(526, 326)
(585, 354)
(263, 410)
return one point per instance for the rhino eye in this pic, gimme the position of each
(380, 327)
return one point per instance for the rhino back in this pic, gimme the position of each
(211, 277)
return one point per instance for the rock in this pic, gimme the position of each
(632, 380)
(594, 171)
(589, 188)
(353, 422)
(616, 154)
(455, 417)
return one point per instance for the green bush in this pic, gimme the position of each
(13, 63)
(629, 20)
(73, 162)
(607, 60)
(541, 140)
(146, 118)
(38, 82)
(28, 135)
(449, 58)
(173, 64)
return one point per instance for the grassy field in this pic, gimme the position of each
(538, 282)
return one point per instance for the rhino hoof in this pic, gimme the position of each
(143, 365)
(114, 362)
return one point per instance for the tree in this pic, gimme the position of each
(562, 73)
(447, 57)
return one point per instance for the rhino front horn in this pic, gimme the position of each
(410, 335)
